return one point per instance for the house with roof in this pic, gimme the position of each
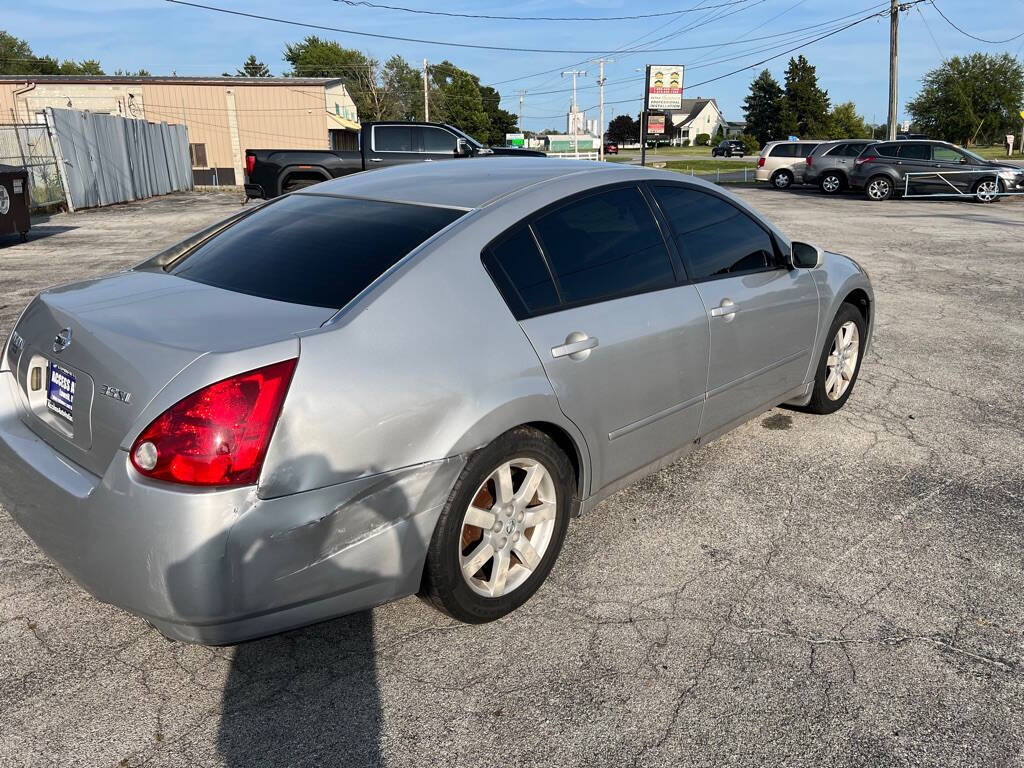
(696, 116)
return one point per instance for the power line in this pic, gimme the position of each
(423, 41)
(968, 34)
(454, 14)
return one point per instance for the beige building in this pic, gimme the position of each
(224, 115)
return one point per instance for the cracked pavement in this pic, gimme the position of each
(815, 591)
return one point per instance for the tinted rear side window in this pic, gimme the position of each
(916, 151)
(605, 245)
(518, 269)
(887, 150)
(803, 150)
(395, 138)
(310, 249)
(715, 237)
(783, 150)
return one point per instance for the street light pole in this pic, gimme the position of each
(426, 93)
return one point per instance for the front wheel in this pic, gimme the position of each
(782, 180)
(986, 191)
(502, 527)
(839, 364)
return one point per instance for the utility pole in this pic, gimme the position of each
(643, 115)
(600, 82)
(521, 94)
(894, 27)
(572, 112)
(426, 93)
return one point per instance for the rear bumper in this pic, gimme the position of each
(221, 566)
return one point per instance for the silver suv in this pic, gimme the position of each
(782, 162)
(829, 165)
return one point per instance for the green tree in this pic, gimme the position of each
(403, 85)
(623, 130)
(316, 57)
(970, 98)
(500, 121)
(455, 99)
(17, 58)
(762, 108)
(806, 106)
(845, 123)
(129, 73)
(252, 67)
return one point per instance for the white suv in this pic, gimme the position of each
(783, 162)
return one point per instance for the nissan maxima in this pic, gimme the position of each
(399, 382)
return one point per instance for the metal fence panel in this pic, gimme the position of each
(30, 147)
(111, 159)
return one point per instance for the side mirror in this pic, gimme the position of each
(462, 148)
(806, 256)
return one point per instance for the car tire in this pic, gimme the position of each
(714, 153)
(987, 190)
(878, 188)
(831, 184)
(782, 180)
(460, 575)
(839, 364)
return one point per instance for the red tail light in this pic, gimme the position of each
(760, 162)
(250, 163)
(218, 435)
(865, 159)
(810, 161)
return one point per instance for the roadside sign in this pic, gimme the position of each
(515, 140)
(656, 124)
(665, 86)
(1022, 114)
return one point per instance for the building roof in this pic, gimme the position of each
(689, 109)
(467, 184)
(167, 80)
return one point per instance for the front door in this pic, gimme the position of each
(762, 315)
(626, 347)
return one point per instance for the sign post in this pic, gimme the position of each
(663, 90)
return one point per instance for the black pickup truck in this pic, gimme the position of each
(273, 172)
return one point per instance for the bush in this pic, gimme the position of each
(750, 144)
(684, 143)
(703, 139)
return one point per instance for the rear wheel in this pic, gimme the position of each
(782, 180)
(878, 188)
(987, 191)
(839, 364)
(502, 527)
(831, 183)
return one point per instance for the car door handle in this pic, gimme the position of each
(376, 159)
(577, 346)
(726, 310)
(428, 160)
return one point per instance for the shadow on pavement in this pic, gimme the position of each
(36, 233)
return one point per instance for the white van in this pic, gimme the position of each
(783, 162)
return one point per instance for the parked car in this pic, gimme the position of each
(273, 172)
(611, 148)
(830, 163)
(904, 136)
(887, 169)
(782, 163)
(728, 148)
(410, 377)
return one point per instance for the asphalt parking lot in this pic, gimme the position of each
(807, 591)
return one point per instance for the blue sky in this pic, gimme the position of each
(852, 65)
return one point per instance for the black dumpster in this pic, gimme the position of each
(14, 218)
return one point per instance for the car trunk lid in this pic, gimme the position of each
(122, 339)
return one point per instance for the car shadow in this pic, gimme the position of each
(36, 233)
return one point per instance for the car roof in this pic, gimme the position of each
(466, 183)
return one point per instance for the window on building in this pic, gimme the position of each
(198, 154)
(715, 238)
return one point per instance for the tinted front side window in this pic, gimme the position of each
(714, 236)
(605, 245)
(310, 249)
(519, 271)
(946, 155)
(436, 140)
(394, 138)
(916, 151)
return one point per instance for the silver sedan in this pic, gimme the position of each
(403, 381)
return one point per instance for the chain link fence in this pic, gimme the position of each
(31, 147)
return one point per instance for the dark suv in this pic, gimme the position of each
(728, 148)
(931, 168)
(829, 164)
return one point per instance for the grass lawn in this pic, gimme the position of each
(708, 165)
(667, 151)
(996, 152)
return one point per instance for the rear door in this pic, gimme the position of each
(762, 315)
(915, 164)
(623, 343)
(393, 145)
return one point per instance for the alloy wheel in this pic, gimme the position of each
(842, 360)
(987, 190)
(782, 180)
(830, 184)
(508, 527)
(879, 189)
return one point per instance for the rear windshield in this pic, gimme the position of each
(311, 249)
